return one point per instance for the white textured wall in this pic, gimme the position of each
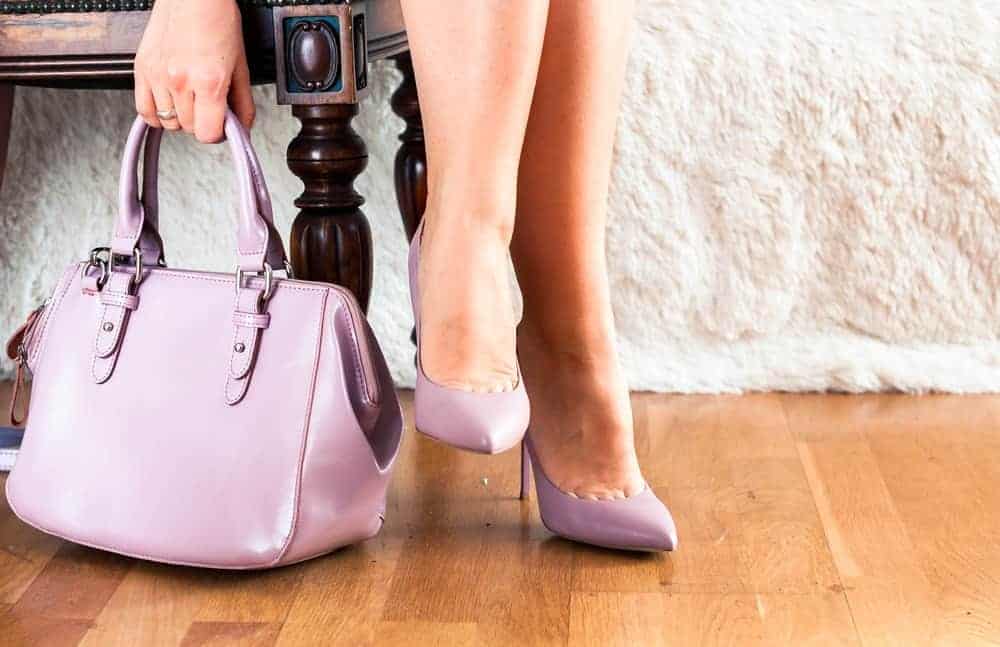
(806, 196)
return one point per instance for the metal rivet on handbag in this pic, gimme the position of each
(205, 419)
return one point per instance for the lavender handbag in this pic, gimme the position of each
(203, 419)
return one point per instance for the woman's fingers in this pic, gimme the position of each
(210, 84)
(209, 118)
(184, 105)
(190, 61)
(164, 103)
(241, 97)
(145, 104)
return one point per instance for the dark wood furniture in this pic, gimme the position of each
(317, 54)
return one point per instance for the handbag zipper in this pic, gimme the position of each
(17, 350)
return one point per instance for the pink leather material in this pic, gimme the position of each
(640, 522)
(255, 240)
(251, 320)
(150, 241)
(111, 324)
(90, 283)
(243, 350)
(344, 458)
(486, 423)
(156, 461)
(149, 238)
(126, 301)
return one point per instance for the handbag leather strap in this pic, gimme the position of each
(257, 241)
(150, 240)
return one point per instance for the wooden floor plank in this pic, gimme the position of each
(248, 597)
(24, 552)
(23, 629)
(75, 584)
(154, 605)
(885, 577)
(629, 619)
(803, 519)
(231, 634)
(492, 562)
(744, 510)
(341, 596)
(943, 484)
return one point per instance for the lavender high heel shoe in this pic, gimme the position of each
(486, 423)
(640, 522)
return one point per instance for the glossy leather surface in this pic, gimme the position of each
(159, 461)
(640, 522)
(486, 423)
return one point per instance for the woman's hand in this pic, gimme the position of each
(191, 61)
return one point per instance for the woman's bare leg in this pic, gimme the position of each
(581, 419)
(475, 63)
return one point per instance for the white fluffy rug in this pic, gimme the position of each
(806, 196)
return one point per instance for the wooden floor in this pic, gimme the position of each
(802, 519)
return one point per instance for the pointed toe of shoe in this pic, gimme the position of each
(640, 522)
(486, 423)
(652, 525)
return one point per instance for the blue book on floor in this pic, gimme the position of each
(10, 442)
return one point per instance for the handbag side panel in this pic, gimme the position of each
(350, 453)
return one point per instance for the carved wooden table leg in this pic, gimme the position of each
(331, 239)
(321, 54)
(411, 160)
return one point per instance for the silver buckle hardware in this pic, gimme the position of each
(99, 257)
(137, 258)
(268, 278)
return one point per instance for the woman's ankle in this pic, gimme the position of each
(479, 214)
(582, 344)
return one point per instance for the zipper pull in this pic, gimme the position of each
(16, 345)
(17, 350)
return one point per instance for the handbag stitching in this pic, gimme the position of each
(241, 383)
(234, 396)
(179, 274)
(118, 319)
(108, 367)
(109, 359)
(171, 274)
(241, 364)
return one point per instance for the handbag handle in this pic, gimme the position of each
(258, 244)
(150, 241)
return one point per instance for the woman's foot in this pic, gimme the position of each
(581, 418)
(467, 335)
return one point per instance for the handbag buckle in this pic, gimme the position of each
(268, 278)
(99, 257)
(137, 257)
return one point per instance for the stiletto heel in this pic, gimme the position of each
(639, 522)
(486, 423)
(525, 472)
